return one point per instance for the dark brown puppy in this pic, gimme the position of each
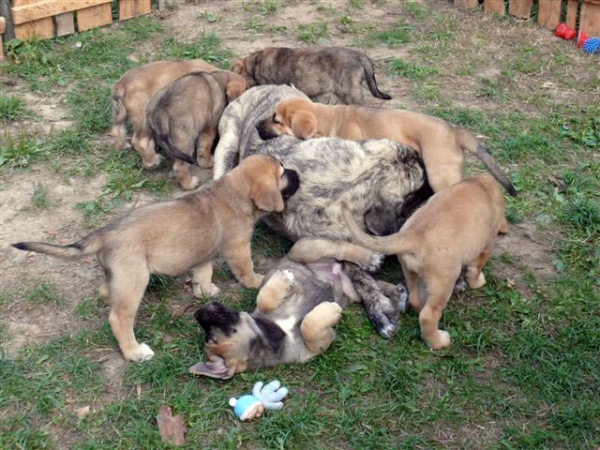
(330, 70)
(457, 227)
(299, 302)
(175, 236)
(439, 143)
(131, 94)
(184, 115)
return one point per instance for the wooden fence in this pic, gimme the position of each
(580, 15)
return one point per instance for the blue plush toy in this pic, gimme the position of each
(269, 396)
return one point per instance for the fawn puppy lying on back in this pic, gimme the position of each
(457, 227)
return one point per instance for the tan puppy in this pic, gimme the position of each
(131, 94)
(299, 302)
(457, 227)
(183, 118)
(315, 71)
(175, 236)
(440, 144)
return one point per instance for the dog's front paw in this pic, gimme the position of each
(374, 262)
(140, 354)
(284, 279)
(210, 291)
(383, 313)
(460, 286)
(152, 162)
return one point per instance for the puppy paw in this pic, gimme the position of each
(190, 184)
(374, 262)
(383, 313)
(477, 282)
(401, 297)
(211, 291)
(441, 339)
(140, 354)
(328, 313)
(460, 286)
(153, 162)
(284, 279)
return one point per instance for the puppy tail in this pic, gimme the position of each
(89, 245)
(119, 129)
(469, 142)
(158, 126)
(370, 79)
(388, 245)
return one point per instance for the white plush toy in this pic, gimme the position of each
(252, 406)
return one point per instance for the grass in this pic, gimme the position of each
(523, 370)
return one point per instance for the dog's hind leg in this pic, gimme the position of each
(126, 289)
(475, 276)
(202, 281)
(381, 311)
(277, 288)
(204, 145)
(316, 327)
(438, 291)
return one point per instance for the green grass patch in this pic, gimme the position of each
(13, 108)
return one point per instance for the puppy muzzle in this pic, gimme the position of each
(265, 131)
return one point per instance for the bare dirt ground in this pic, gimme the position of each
(62, 222)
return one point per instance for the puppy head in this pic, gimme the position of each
(245, 68)
(228, 336)
(292, 116)
(270, 183)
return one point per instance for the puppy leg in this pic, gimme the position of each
(238, 256)
(202, 281)
(475, 276)
(412, 284)
(316, 327)
(126, 290)
(312, 250)
(183, 173)
(438, 291)
(380, 310)
(144, 146)
(277, 288)
(395, 292)
(444, 165)
(204, 145)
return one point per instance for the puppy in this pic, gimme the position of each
(298, 303)
(183, 117)
(457, 227)
(175, 236)
(440, 144)
(383, 180)
(336, 70)
(237, 127)
(131, 94)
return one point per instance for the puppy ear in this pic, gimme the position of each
(215, 368)
(303, 124)
(238, 67)
(266, 195)
(234, 89)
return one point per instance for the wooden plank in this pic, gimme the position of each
(464, 4)
(572, 7)
(549, 13)
(589, 20)
(2, 31)
(133, 8)
(47, 8)
(494, 6)
(520, 8)
(65, 24)
(39, 29)
(93, 17)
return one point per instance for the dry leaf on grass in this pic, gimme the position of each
(171, 429)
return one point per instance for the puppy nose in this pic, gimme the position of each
(293, 184)
(263, 130)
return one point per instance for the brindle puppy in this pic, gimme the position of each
(299, 302)
(183, 117)
(330, 70)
